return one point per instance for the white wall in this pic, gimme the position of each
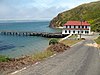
(89, 29)
(72, 26)
(64, 26)
(76, 32)
(76, 26)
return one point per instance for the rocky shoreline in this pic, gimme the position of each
(16, 64)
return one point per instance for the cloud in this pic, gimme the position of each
(49, 12)
(35, 9)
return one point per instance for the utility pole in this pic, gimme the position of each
(81, 23)
(80, 28)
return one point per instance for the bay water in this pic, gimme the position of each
(17, 46)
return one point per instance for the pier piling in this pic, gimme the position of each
(24, 33)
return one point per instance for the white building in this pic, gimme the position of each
(76, 27)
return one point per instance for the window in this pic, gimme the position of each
(66, 27)
(81, 31)
(86, 31)
(85, 26)
(74, 31)
(82, 26)
(65, 31)
(69, 26)
(69, 31)
(78, 32)
(78, 26)
(74, 26)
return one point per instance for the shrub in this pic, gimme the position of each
(53, 41)
(4, 58)
(82, 38)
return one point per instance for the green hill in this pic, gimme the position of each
(89, 12)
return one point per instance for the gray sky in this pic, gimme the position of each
(35, 9)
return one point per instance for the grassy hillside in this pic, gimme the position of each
(89, 12)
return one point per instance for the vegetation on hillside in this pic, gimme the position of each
(98, 40)
(89, 12)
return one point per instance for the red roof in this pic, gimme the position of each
(77, 23)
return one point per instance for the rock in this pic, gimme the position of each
(60, 47)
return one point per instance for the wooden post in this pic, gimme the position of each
(80, 29)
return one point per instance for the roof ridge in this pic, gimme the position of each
(77, 23)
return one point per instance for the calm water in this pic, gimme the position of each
(16, 46)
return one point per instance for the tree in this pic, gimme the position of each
(53, 41)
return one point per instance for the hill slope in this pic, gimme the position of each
(89, 12)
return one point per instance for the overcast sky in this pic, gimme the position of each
(35, 9)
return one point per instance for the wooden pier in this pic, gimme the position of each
(29, 33)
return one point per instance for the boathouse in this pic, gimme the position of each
(76, 27)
